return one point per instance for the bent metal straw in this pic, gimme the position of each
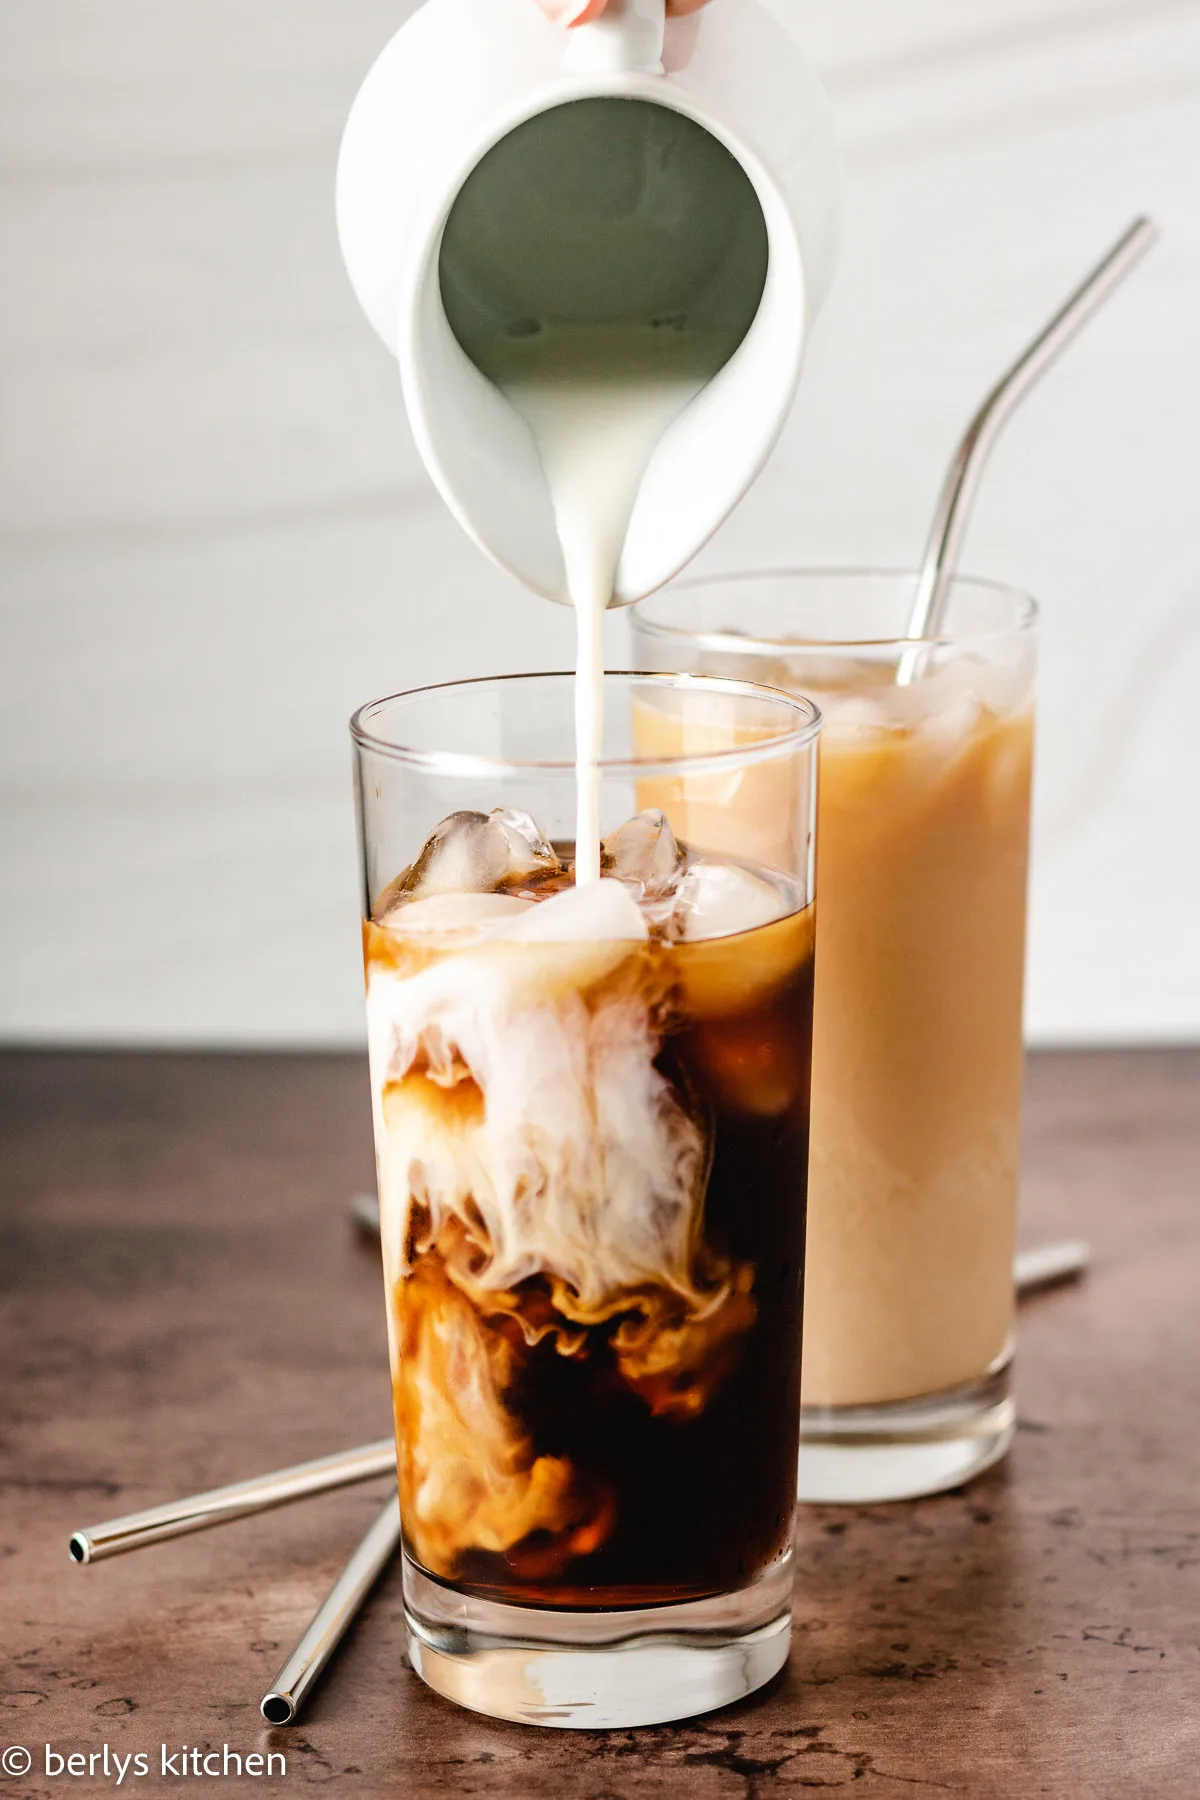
(975, 446)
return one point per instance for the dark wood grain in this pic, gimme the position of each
(184, 1304)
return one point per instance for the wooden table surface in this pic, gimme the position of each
(184, 1303)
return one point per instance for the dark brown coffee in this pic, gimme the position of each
(591, 1113)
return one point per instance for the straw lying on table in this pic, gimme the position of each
(304, 1667)
(1050, 1265)
(242, 1498)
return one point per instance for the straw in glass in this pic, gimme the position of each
(961, 483)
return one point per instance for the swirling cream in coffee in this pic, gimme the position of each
(591, 1123)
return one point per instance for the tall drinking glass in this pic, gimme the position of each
(917, 1037)
(591, 1124)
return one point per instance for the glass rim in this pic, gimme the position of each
(755, 644)
(466, 764)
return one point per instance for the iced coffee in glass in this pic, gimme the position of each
(591, 1112)
(923, 844)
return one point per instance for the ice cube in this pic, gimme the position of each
(747, 1069)
(474, 852)
(851, 716)
(718, 900)
(439, 915)
(601, 912)
(943, 706)
(949, 730)
(528, 851)
(644, 849)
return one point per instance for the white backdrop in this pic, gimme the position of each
(216, 538)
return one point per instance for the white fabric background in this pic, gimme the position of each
(216, 538)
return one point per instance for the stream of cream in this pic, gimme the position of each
(597, 401)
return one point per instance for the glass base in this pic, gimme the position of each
(593, 1670)
(855, 1455)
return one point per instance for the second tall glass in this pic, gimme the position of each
(923, 845)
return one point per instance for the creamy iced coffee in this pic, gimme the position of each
(591, 1117)
(917, 1066)
(922, 850)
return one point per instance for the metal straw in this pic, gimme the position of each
(967, 465)
(302, 1670)
(1049, 1266)
(199, 1511)
(364, 1210)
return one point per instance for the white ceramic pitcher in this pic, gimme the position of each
(473, 186)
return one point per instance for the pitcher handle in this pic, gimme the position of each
(626, 38)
